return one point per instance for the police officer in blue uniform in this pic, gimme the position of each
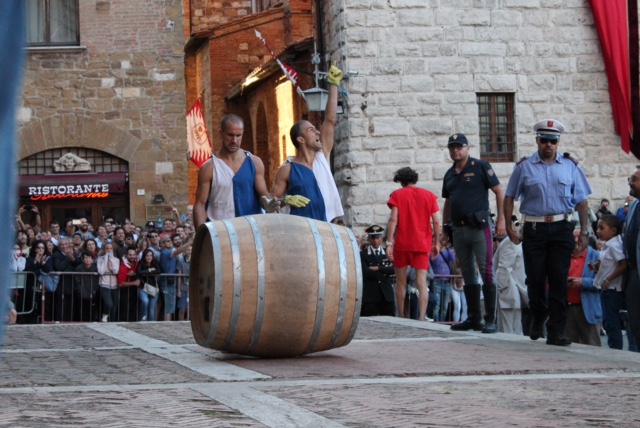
(378, 297)
(550, 187)
(465, 188)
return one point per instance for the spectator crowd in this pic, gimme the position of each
(117, 271)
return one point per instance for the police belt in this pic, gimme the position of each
(544, 218)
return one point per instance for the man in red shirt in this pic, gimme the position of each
(410, 235)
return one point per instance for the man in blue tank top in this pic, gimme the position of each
(231, 183)
(307, 176)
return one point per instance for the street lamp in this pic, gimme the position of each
(316, 97)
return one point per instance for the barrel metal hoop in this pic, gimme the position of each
(217, 288)
(237, 284)
(342, 307)
(321, 286)
(358, 272)
(262, 269)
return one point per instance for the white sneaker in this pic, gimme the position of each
(144, 318)
(105, 318)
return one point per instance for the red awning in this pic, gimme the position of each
(54, 184)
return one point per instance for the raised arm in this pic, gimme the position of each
(327, 130)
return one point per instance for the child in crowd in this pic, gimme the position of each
(611, 265)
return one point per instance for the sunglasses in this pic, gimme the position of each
(548, 140)
(39, 247)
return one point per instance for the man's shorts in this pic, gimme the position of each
(169, 296)
(416, 259)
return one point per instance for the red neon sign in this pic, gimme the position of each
(80, 191)
(79, 196)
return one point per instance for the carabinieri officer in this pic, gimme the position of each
(550, 187)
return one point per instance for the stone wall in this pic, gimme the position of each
(421, 63)
(122, 92)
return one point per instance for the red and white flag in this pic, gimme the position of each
(197, 135)
(288, 71)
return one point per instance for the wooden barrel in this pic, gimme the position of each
(274, 285)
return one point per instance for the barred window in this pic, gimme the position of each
(497, 127)
(53, 23)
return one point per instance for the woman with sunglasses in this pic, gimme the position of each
(39, 263)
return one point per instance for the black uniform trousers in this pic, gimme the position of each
(547, 249)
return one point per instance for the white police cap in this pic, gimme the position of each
(549, 128)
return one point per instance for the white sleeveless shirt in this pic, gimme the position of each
(221, 204)
(327, 185)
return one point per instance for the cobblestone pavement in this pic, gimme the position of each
(395, 373)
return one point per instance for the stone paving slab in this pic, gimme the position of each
(522, 403)
(148, 408)
(395, 373)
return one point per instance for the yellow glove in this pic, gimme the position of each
(335, 75)
(296, 201)
(270, 205)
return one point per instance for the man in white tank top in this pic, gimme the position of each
(231, 183)
(313, 148)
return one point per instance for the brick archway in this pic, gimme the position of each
(70, 130)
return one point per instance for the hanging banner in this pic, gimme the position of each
(612, 23)
(197, 135)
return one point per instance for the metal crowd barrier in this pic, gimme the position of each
(36, 305)
(22, 293)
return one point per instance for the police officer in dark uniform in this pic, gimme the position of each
(550, 186)
(466, 209)
(377, 292)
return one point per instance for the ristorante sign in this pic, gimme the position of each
(88, 191)
(72, 186)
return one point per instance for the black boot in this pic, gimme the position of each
(490, 302)
(474, 317)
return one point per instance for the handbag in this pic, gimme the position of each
(51, 283)
(150, 289)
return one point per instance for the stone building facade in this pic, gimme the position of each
(118, 100)
(421, 64)
(423, 68)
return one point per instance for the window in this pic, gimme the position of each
(52, 23)
(101, 162)
(497, 127)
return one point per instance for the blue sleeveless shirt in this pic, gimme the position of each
(245, 197)
(302, 181)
